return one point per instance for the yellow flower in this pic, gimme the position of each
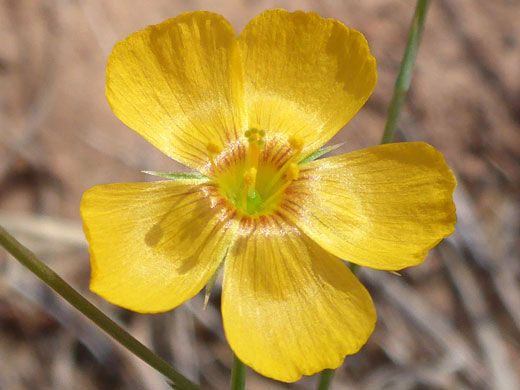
(245, 112)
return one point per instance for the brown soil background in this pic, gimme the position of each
(451, 323)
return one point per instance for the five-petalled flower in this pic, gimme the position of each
(245, 112)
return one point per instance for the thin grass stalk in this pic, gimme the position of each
(51, 279)
(404, 79)
(326, 377)
(238, 374)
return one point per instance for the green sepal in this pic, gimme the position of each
(178, 175)
(318, 153)
(210, 284)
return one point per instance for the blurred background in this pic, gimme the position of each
(451, 323)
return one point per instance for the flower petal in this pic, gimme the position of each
(382, 207)
(290, 308)
(153, 245)
(179, 84)
(304, 75)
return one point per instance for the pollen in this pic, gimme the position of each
(296, 143)
(293, 172)
(213, 148)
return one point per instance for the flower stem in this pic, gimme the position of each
(51, 279)
(238, 374)
(326, 379)
(404, 79)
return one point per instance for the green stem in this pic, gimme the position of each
(402, 84)
(51, 279)
(238, 374)
(326, 379)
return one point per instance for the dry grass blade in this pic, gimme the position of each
(472, 235)
(493, 348)
(429, 320)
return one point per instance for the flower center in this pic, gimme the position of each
(254, 176)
